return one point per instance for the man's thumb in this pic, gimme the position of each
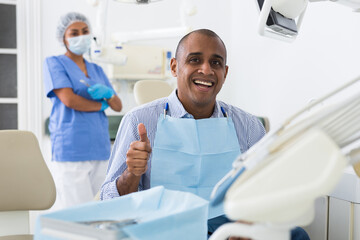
(142, 133)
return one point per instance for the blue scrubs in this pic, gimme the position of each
(75, 135)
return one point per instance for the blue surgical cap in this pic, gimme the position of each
(68, 19)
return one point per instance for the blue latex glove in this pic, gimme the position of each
(100, 91)
(104, 105)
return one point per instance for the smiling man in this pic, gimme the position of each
(193, 145)
(200, 72)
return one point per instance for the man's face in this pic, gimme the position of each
(200, 70)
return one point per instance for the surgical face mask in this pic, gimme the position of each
(79, 45)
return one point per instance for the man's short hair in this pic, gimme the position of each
(205, 32)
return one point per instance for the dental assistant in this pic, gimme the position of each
(80, 92)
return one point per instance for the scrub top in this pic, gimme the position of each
(75, 135)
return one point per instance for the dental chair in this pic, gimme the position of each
(25, 183)
(148, 90)
(265, 121)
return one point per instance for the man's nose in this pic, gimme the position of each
(206, 69)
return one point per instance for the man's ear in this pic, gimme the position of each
(226, 72)
(173, 67)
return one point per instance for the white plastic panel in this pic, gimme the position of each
(318, 228)
(348, 187)
(356, 222)
(15, 222)
(340, 219)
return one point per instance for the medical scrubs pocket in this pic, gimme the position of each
(73, 137)
(83, 140)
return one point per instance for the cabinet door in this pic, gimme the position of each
(318, 229)
(340, 219)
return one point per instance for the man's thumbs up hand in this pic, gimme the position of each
(138, 153)
(142, 133)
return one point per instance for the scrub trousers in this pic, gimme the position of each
(77, 182)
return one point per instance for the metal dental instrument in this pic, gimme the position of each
(85, 82)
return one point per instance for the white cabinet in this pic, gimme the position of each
(337, 217)
(340, 219)
(317, 230)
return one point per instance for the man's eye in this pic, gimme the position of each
(86, 32)
(216, 62)
(194, 60)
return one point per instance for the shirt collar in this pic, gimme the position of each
(177, 110)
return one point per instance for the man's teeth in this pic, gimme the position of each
(209, 84)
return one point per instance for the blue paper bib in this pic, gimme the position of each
(193, 155)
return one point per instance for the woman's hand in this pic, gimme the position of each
(100, 91)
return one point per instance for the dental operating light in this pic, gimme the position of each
(282, 19)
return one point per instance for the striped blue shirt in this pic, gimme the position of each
(249, 130)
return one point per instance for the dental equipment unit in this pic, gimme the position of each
(275, 183)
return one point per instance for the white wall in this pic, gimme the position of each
(272, 78)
